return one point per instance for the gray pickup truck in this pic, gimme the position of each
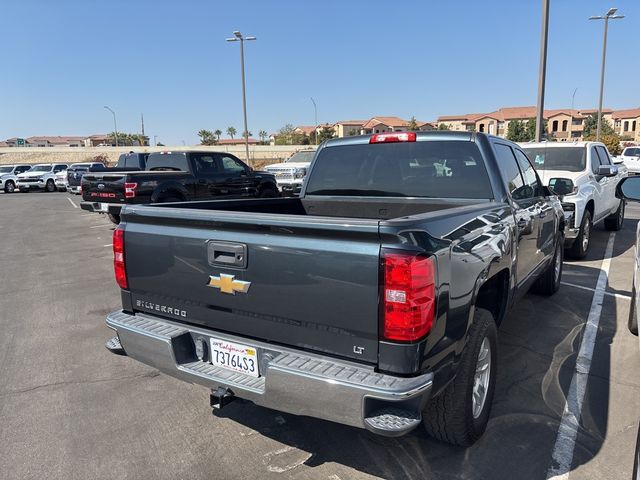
(371, 300)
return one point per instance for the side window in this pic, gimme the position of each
(595, 160)
(604, 155)
(231, 165)
(529, 174)
(205, 164)
(509, 168)
(59, 168)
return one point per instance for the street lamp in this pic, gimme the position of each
(315, 112)
(238, 37)
(573, 97)
(115, 125)
(611, 14)
(542, 70)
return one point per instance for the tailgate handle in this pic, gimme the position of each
(227, 254)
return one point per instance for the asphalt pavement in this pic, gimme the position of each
(71, 410)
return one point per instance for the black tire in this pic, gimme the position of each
(268, 192)
(9, 186)
(580, 246)
(633, 317)
(614, 222)
(50, 186)
(114, 217)
(449, 416)
(549, 282)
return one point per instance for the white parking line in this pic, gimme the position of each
(102, 225)
(72, 203)
(611, 294)
(568, 430)
(108, 245)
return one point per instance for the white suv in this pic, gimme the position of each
(290, 173)
(631, 158)
(9, 176)
(40, 177)
(583, 175)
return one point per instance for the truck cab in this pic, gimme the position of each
(583, 174)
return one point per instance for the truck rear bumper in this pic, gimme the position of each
(98, 207)
(292, 381)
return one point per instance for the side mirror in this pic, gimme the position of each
(629, 189)
(608, 170)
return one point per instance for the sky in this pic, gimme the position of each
(64, 60)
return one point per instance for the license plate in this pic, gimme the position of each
(102, 207)
(233, 356)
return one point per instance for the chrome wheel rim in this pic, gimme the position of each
(481, 378)
(585, 236)
(10, 187)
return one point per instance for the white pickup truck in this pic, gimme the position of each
(9, 176)
(290, 173)
(40, 177)
(584, 176)
(631, 158)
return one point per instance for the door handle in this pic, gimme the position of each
(227, 254)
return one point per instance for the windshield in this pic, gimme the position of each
(632, 152)
(41, 168)
(301, 157)
(571, 159)
(428, 169)
(7, 169)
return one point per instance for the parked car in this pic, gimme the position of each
(629, 190)
(9, 176)
(290, 173)
(74, 174)
(371, 300)
(40, 177)
(61, 180)
(631, 158)
(175, 177)
(583, 174)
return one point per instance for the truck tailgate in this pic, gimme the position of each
(313, 281)
(103, 187)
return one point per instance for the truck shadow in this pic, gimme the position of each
(538, 345)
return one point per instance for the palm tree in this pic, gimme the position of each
(231, 131)
(217, 133)
(263, 135)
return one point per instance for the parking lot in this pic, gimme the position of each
(70, 409)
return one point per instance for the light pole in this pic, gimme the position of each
(115, 125)
(239, 37)
(543, 70)
(611, 14)
(315, 116)
(155, 140)
(573, 97)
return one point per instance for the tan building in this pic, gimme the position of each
(348, 128)
(383, 125)
(626, 123)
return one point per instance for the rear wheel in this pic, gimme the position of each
(9, 186)
(460, 414)
(114, 217)
(614, 222)
(581, 244)
(549, 281)
(50, 186)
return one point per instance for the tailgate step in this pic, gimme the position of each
(392, 421)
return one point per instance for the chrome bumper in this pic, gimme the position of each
(291, 381)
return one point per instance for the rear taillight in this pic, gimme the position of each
(118, 258)
(130, 190)
(409, 296)
(393, 137)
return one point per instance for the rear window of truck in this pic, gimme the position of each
(168, 161)
(427, 169)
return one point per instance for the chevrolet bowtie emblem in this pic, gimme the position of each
(228, 284)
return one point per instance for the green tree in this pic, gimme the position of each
(530, 130)
(128, 139)
(591, 125)
(353, 132)
(611, 141)
(218, 133)
(326, 133)
(263, 136)
(285, 135)
(444, 126)
(231, 131)
(207, 137)
(412, 126)
(516, 132)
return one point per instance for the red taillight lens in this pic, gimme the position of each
(393, 137)
(409, 296)
(130, 190)
(118, 258)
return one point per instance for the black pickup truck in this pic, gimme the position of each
(174, 177)
(372, 300)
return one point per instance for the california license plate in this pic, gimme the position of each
(233, 356)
